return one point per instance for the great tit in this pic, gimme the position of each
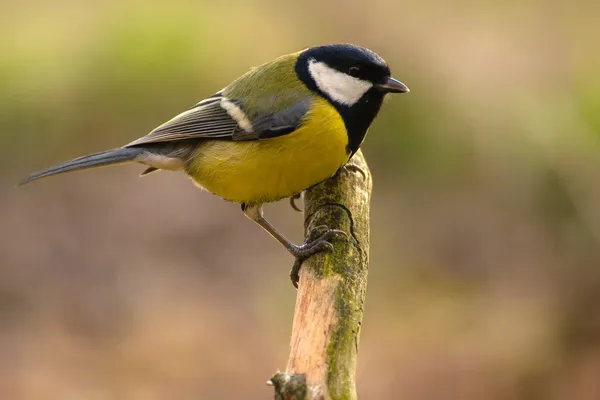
(272, 133)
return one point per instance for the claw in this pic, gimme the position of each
(332, 233)
(293, 202)
(328, 246)
(356, 168)
(316, 232)
(295, 273)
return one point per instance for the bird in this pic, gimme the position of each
(277, 130)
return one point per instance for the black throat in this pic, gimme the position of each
(357, 117)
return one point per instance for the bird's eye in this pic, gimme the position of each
(354, 71)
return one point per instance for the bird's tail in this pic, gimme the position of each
(109, 157)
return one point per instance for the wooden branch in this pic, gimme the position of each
(331, 292)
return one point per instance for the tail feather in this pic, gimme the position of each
(109, 157)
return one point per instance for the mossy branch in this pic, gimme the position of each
(331, 293)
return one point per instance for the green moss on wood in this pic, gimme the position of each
(341, 202)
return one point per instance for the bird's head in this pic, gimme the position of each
(346, 74)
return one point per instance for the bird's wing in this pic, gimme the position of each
(219, 117)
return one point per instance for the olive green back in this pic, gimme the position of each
(269, 88)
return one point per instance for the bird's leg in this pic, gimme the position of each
(318, 239)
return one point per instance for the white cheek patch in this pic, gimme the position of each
(341, 87)
(237, 114)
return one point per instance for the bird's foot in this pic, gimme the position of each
(356, 168)
(318, 240)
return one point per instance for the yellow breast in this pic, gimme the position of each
(267, 170)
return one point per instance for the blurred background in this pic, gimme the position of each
(485, 257)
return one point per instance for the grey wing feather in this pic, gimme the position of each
(205, 120)
(282, 122)
(209, 120)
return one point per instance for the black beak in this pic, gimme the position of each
(391, 85)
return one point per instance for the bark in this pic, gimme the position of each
(331, 292)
